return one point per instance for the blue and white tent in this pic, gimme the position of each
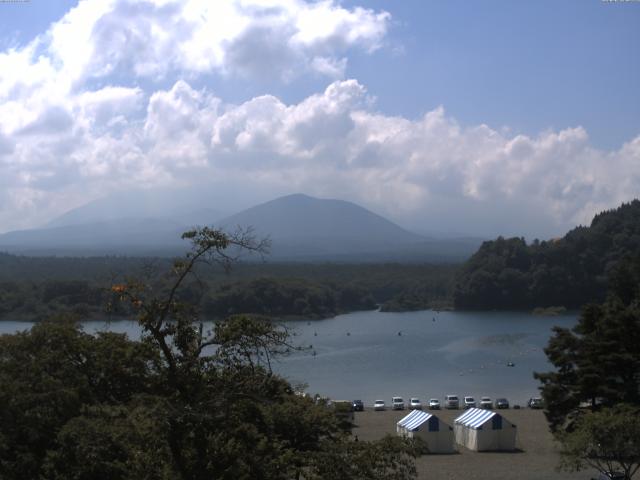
(437, 435)
(481, 430)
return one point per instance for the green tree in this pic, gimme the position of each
(182, 403)
(608, 441)
(49, 375)
(597, 363)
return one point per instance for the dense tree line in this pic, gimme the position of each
(592, 397)
(569, 272)
(50, 286)
(291, 297)
(182, 403)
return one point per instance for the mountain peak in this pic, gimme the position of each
(302, 223)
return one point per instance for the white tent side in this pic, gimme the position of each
(436, 434)
(484, 430)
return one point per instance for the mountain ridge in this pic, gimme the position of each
(300, 227)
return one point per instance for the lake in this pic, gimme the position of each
(371, 355)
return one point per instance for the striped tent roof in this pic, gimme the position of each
(475, 417)
(413, 421)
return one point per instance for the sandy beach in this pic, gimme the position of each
(537, 456)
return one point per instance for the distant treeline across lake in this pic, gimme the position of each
(34, 288)
(504, 274)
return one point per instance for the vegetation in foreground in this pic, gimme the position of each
(181, 403)
(592, 398)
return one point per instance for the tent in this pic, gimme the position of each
(436, 434)
(483, 430)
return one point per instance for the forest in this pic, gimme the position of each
(104, 407)
(568, 272)
(35, 288)
(506, 273)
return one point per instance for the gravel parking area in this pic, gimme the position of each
(536, 458)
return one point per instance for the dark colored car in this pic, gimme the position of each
(502, 403)
(358, 406)
(535, 402)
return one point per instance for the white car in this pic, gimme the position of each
(486, 403)
(469, 402)
(434, 404)
(397, 403)
(415, 404)
(451, 402)
(379, 405)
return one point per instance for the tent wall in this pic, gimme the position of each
(437, 442)
(486, 438)
(436, 434)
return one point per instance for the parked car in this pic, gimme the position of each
(469, 402)
(379, 405)
(535, 402)
(486, 403)
(502, 403)
(358, 406)
(434, 404)
(415, 404)
(451, 402)
(397, 403)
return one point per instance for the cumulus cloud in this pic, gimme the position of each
(430, 169)
(146, 38)
(82, 114)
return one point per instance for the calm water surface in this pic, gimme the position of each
(371, 355)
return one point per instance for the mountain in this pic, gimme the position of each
(128, 236)
(175, 206)
(301, 228)
(299, 224)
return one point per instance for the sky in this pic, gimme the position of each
(482, 118)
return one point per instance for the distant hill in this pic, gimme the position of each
(307, 228)
(302, 224)
(181, 209)
(128, 236)
(569, 272)
(301, 228)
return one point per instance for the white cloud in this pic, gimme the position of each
(333, 144)
(147, 38)
(78, 120)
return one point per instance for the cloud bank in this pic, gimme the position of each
(82, 114)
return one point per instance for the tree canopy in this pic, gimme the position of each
(180, 403)
(608, 440)
(597, 362)
(570, 271)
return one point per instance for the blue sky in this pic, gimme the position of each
(495, 107)
(530, 66)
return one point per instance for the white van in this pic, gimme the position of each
(397, 403)
(451, 402)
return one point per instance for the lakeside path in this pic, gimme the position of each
(536, 460)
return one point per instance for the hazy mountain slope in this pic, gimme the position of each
(299, 224)
(301, 228)
(141, 204)
(117, 236)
